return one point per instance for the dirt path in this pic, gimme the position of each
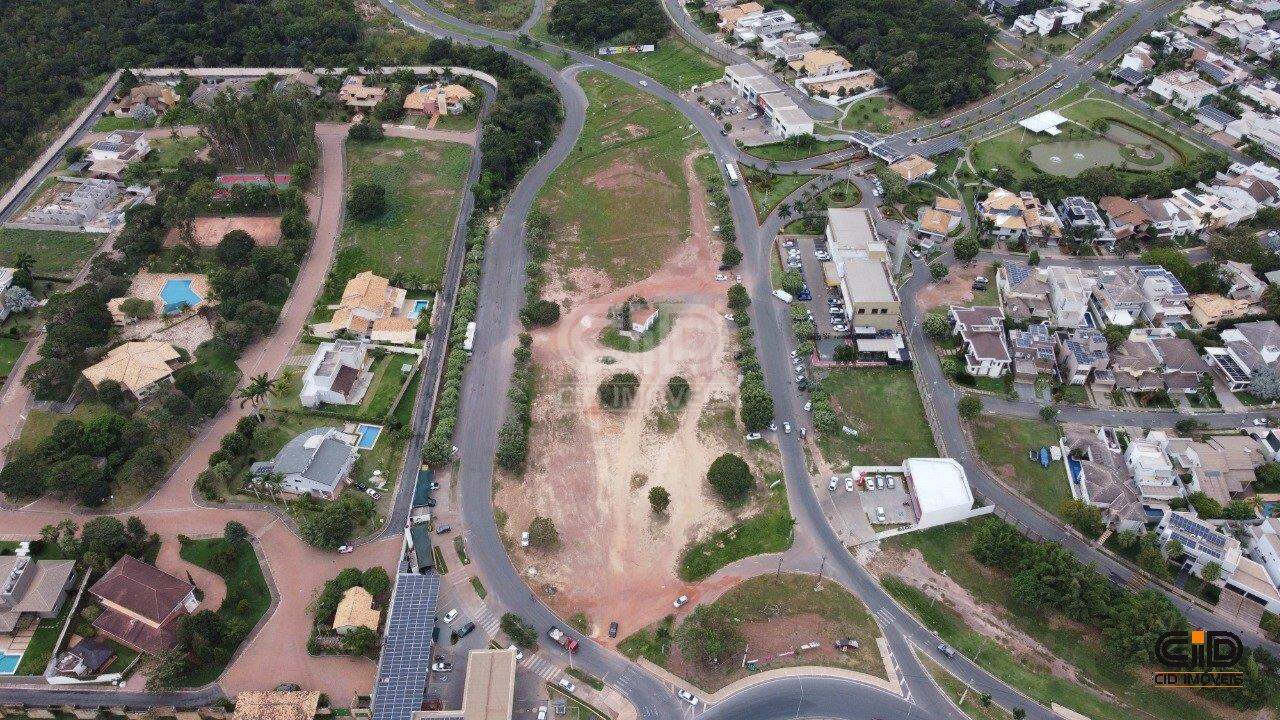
(592, 468)
(160, 133)
(467, 137)
(278, 652)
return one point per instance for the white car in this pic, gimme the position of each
(808, 407)
(345, 549)
(644, 83)
(451, 616)
(880, 516)
(840, 328)
(519, 653)
(524, 539)
(786, 428)
(680, 601)
(441, 666)
(832, 485)
(1260, 422)
(915, 254)
(890, 481)
(879, 482)
(542, 713)
(848, 484)
(688, 697)
(773, 426)
(568, 686)
(721, 277)
(795, 353)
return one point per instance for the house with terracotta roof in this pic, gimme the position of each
(730, 16)
(371, 308)
(1211, 310)
(142, 605)
(356, 95)
(437, 99)
(1019, 216)
(356, 610)
(277, 705)
(155, 96)
(820, 62)
(1124, 217)
(914, 167)
(141, 367)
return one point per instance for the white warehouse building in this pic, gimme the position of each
(940, 492)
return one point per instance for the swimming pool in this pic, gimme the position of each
(418, 306)
(9, 664)
(368, 435)
(178, 296)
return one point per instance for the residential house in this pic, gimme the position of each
(210, 88)
(1081, 353)
(337, 374)
(1212, 310)
(1204, 14)
(1202, 542)
(112, 154)
(373, 309)
(1069, 291)
(32, 589)
(821, 62)
(1049, 20)
(1245, 283)
(1019, 216)
(358, 96)
(142, 605)
(1124, 217)
(870, 299)
(277, 705)
(316, 462)
(301, 81)
(1214, 118)
(1263, 130)
(143, 367)
(438, 99)
(913, 167)
(1264, 95)
(1024, 291)
(1168, 218)
(1218, 67)
(1148, 292)
(1239, 25)
(1180, 362)
(1184, 88)
(1136, 368)
(643, 318)
(158, 98)
(1140, 58)
(1213, 210)
(1262, 42)
(935, 223)
(1082, 215)
(356, 610)
(729, 16)
(86, 659)
(1243, 196)
(1098, 476)
(762, 26)
(1247, 347)
(1032, 351)
(981, 331)
(1153, 474)
(844, 86)
(1222, 467)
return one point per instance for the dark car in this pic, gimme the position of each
(431, 502)
(466, 630)
(613, 629)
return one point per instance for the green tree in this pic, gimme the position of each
(731, 478)
(519, 630)
(738, 297)
(937, 270)
(659, 499)
(969, 406)
(678, 392)
(376, 581)
(359, 640)
(1211, 571)
(936, 327)
(711, 636)
(367, 201)
(619, 390)
(541, 313)
(1268, 477)
(542, 533)
(138, 308)
(1085, 517)
(966, 248)
(235, 532)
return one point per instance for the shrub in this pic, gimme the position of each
(731, 478)
(542, 533)
(368, 201)
(659, 499)
(619, 390)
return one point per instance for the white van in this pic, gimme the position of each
(880, 517)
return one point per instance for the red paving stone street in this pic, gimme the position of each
(277, 653)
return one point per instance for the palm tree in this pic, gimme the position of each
(260, 387)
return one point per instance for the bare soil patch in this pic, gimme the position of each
(590, 468)
(626, 175)
(207, 232)
(954, 289)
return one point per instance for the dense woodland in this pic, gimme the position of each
(51, 50)
(589, 22)
(931, 53)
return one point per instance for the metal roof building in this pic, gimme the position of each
(406, 648)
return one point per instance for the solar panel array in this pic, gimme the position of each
(1233, 370)
(406, 649)
(1157, 271)
(1195, 536)
(1018, 272)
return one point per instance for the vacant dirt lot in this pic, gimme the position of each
(954, 289)
(591, 468)
(207, 232)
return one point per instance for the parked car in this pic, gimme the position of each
(519, 653)
(840, 328)
(466, 630)
(524, 539)
(542, 711)
(680, 601)
(786, 428)
(566, 685)
(848, 484)
(451, 616)
(808, 407)
(879, 482)
(613, 629)
(444, 529)
(688, 697)
(345, 549)
(441, 666)
(880, 517)
(832, 485)
(890, 481)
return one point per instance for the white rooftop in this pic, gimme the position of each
(939, 484)
(1046, 122)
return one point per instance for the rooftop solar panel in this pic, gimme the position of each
(406, 649)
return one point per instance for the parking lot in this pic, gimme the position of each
(807, 247)
(737, 112)
(895, 501)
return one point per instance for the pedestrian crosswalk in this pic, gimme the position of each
(486, 619)
(544, 668)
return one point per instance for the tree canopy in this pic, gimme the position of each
(586, 22)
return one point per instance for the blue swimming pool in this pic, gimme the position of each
(418, 306)
(177, 296)
(9, 664)
(368, 435)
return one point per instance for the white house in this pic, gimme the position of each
(981, 330)
(1184, 88)
(337, 374)
(1069, 291)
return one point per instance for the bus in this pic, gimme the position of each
(733, 172)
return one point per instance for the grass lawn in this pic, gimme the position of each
(947, 549)
(386, 384)
(1093, 108)
(869, 114)
(168, 152)
(10, 349)
(39, 424)
(502, 14)
(54, 253)
(1003, 444)
(767, 190)
(958, 691)
(620, 203)
(40, 649)
(675, 63)
(1004, 75)
(423, 183)
(404, 410)
(883, 405)
(613, 338)
(842, 195)
(652, 643)
(788, 605)
(768, 531)
(111, 123)
(479, 588)
(463, 122)
(248, 596)
(788, 150)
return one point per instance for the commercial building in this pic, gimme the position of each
(869, 297)
(760, 89)
(851, 232)
(940, 491)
